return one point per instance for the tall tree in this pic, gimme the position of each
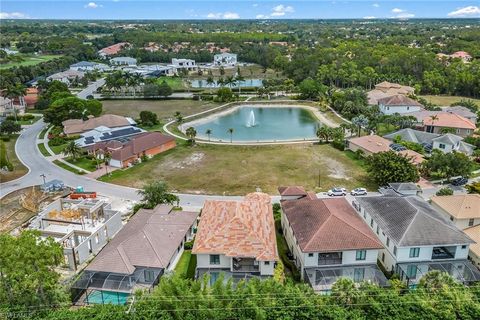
(156, 193)
(388, 167)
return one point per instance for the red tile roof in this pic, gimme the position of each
(292, 191)
(140, 143)
(449, 120)
(238, 228)
(371, 143)
(114, 48)
(326, 225)
(399, 100)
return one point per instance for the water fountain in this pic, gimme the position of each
(251, 119)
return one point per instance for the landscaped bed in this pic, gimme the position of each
(237, 170)
(43, 150)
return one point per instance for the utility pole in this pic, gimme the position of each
(319, 178)
(43, 176)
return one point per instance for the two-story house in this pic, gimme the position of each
(328, 241)
(236, 238)
(462, 209)
(416, 237)
(398, 104)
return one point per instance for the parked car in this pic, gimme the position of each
(459, 181)
(337, 192)
(358, 192)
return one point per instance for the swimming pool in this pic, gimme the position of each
(104, 297)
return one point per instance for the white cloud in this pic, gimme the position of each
(401, 14)
(376, 5)
(92, 5)
(224, 15)
(255, 5)
(470, 11)
(13, 15)
(281, 10)
(396, 10)
(261, 16)
(369, 17)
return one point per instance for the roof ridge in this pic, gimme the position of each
(352, 226)
(152, 246)
(124, 257)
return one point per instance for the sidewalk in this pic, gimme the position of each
(100, 172)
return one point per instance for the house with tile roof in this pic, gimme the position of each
(104, 134)
(78, 126)
(329, 240)
(369, 144)
(292, 192)
(398, 103)
(236, 238)
(474, 253)
(113, 49)
(462, 209)
(451, 142)
(416, 238)
(149, 245)
(386, 89)
(462, 126)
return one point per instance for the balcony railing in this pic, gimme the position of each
(244, 265)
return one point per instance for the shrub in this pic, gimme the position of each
(444, 192)
(57, 141)
(188, 245)
(27, 117)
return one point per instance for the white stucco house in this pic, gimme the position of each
(462, 209)
(123, 61)
(236, 239)
(225, 59)
(328, 241)
(416, 238)
(450, 142)
(87, 66)
(187, 64)
(398, 104)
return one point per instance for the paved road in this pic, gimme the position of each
(26, 149)
(91, 89)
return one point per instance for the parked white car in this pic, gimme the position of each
(358, 192)
(337, 192)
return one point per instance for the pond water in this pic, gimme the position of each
(246, 83)
(260, 123)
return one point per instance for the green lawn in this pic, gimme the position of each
(163, 108)
(447, 100)
(43, 150)
(42, 133)
(84, 163)
(29, 60)
(18, 168)
(237, 170)
(385, 128)
(67, 167)
(27, 122)
(186, 264)
(174, 82)
(57, 149)
(157, 127)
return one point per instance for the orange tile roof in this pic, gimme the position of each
(415, 157)
(461, 206)
(292, 191)
(474, 233)
(114, 48)
(238, 228)
(326, 225)
(449, 120)
(372, 143)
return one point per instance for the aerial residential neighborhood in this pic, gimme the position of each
(240, 160)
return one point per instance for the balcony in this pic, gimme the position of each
(244, 265)
(440, 253)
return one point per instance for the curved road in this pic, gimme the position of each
(28, 153)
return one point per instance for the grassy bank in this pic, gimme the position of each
(447, 100)
(236, 170)
(8, 150)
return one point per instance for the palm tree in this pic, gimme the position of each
(17, 90)
(73, 150)
(208, 132)
(238, 79)
(210, 82)
(231, 134)
(322, 133)
(220, 82)
(106, 160)
(178, 116)
(361, 122)
(229, 81)
(434, 118)
(191, 134)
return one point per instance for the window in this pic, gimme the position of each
(395, 250)
(310, 254)
(214, 259)
(364, 214)
(149, 275)
(414, 252)
(451, 218)
(441, 146)
(383, 256)
(388, 242)
(371, 222)
(96, 239)
(378, 229)
(412, 271)
(267, 263)
(470, 222)
(408, 108)
(361, 254)
(464, 247)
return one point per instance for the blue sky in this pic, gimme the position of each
(234, 9)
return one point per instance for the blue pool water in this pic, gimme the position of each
(104, 297)
(246, 83)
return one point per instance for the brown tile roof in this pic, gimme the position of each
(415, 157)
(449, 120)
(114, 48)
(140, 143)
(325, 225)
(399, 100)
(461, 206)
(292, 191)
(371, 143)
(474, 233)
(73, 126)
(238, 228)
(149, 239)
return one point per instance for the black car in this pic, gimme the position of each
(459, 181)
